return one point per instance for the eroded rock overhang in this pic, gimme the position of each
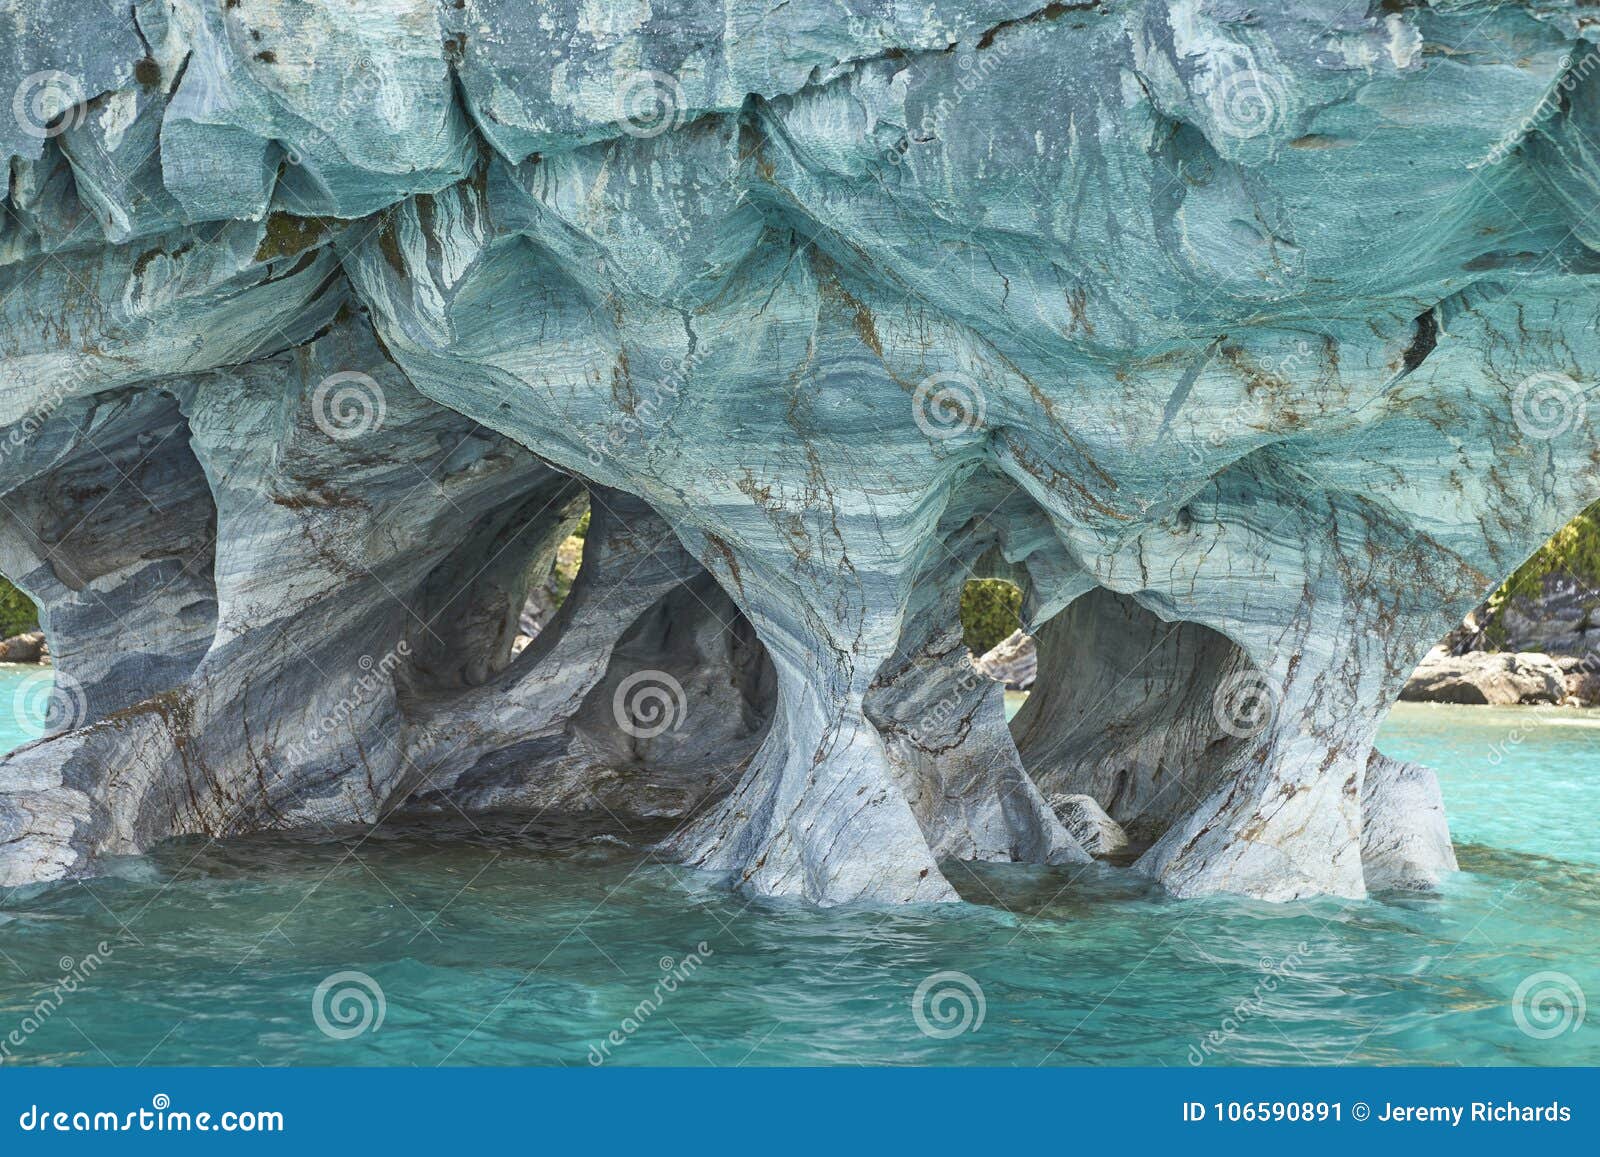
(1253, 344)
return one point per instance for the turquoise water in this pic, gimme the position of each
(504, 943)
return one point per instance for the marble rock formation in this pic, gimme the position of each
(1095, 831)
(1252, 342)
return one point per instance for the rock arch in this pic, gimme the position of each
(1313, 400)
(107, 523)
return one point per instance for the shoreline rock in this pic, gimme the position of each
(1581, 674)
(28, 647)
(1014, 661)
(1492, 678)
(1405, 837)
(1482, 678)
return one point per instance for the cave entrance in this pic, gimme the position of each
(27, 680)
(686, 699)
(592, 666)
(548, 593)
(110, 540)
(991, 628)
(500, 588)
(1125, 708)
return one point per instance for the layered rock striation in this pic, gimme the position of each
(1253, 344)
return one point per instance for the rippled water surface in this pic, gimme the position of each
(518, 943)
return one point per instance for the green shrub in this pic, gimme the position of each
(569, 557)
(17, 612)
(990, 610)
(1574, 550)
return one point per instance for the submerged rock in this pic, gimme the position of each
(1212, 328)
(1493, 678)
(1405, 839)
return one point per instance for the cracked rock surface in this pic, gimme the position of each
(1254, 345)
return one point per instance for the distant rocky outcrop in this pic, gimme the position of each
(1558, 619)
(1445, 675)
(1561, 616)
(1014, 661)
(1484, 677)
(28, 647)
